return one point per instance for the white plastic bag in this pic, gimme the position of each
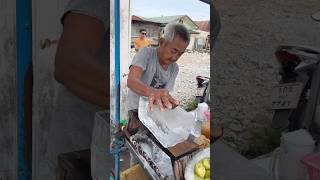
(169, 127)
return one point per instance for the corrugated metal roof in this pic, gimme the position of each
(139, 18)
(166, 19)
(136, 18)
(203, 25)
(206, 1)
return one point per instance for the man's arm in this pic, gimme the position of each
(78, 64)
(135, 84)
(160, 97)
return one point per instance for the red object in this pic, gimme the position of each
(284, 57)
(312, 162)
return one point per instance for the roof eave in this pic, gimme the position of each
(206, 1)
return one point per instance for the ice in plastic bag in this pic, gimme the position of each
(169, 127)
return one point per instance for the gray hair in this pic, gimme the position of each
(173, 29)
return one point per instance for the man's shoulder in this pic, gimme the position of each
(148, 50)
(145, 54)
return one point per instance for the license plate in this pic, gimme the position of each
(286, 96)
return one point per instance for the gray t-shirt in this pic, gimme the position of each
(154, 75)
(94, 8)
(73, 118)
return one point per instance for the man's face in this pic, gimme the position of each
(171, 51)
(143, 34)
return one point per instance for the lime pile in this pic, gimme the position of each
(202, 170)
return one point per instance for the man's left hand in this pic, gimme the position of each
(163, 99)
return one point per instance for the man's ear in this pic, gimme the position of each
(161, 41)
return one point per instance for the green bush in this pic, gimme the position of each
(191, 105)
(261, 141)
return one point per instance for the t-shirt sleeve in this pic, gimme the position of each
(141, 58)
(94, 8)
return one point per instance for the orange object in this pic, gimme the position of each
(205, 129)
(136, 172)
(141, 42)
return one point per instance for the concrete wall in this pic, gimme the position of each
(8, 136)
(198, 41)
(46, 25)
(243, 63)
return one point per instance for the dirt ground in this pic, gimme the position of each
(190, 65)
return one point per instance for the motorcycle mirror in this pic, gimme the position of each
(316, 16)
(305, 65)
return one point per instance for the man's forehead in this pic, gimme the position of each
(178, 41)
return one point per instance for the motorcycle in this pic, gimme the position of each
(203, 89)
(296, 98)
(296, 104)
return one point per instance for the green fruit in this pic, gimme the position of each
(196, 177)
(207, 175)
(206, 178)
(199, 169)
(206, 163)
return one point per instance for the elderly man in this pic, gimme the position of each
(153, 70)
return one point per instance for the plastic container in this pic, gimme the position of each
(201, 109)
(205, 126)
(312, 162)
(205, 129)
(285, 162)
(189, 170)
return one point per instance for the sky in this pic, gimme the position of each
(195, 9)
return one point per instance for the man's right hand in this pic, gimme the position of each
(162, 98)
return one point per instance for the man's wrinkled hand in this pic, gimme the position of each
(163, 99)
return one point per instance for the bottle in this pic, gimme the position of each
(202, 107)
(203, 117)
(205, 126)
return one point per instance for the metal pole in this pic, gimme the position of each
(117, 83)
(24, 60)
